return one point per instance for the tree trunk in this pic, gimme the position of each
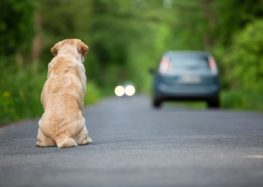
(211, 21)
(37, 40)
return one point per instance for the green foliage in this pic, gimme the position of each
(244, 59)
(16, 25)
(20, 88)
(234, 15)
(93, 94)
(245, 100)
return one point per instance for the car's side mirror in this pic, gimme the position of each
(152, 71)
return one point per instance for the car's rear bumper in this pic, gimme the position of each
(186, 92)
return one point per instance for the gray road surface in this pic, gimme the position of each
(136, 146)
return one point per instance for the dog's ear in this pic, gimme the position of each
(55, 48)
(82, 48)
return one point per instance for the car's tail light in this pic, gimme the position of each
(164, 65)
(212, 65)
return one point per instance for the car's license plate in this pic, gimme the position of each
(190, 79)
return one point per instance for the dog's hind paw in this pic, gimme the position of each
(44, 144)
(86, 141)
(38, 144)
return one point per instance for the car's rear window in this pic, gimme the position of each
(194, 64)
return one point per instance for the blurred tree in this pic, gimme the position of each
(244, 59)
(126, 37)
(234, 15)
(59, 20)
(16, 26)
(37, 40)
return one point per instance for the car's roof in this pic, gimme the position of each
(187, 54)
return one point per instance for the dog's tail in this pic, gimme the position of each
(66, 142)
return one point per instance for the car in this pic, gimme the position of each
(184, 76)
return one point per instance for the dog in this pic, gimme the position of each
(62, 123)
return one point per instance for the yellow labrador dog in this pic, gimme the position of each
(62, 123)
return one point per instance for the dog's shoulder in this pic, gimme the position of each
(61, 63)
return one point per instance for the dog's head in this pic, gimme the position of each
(70, 45)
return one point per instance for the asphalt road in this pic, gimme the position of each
(136, 146)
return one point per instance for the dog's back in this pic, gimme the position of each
(62, 123)
(62, 97)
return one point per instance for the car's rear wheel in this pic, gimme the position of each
(214, 102)
(156, 104)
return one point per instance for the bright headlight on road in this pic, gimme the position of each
(129, 90)
(119, 91)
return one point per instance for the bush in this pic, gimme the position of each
(93, 93)
(242, 100)
(20, 88)
(244, 60)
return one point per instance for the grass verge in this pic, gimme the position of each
(242, 100)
